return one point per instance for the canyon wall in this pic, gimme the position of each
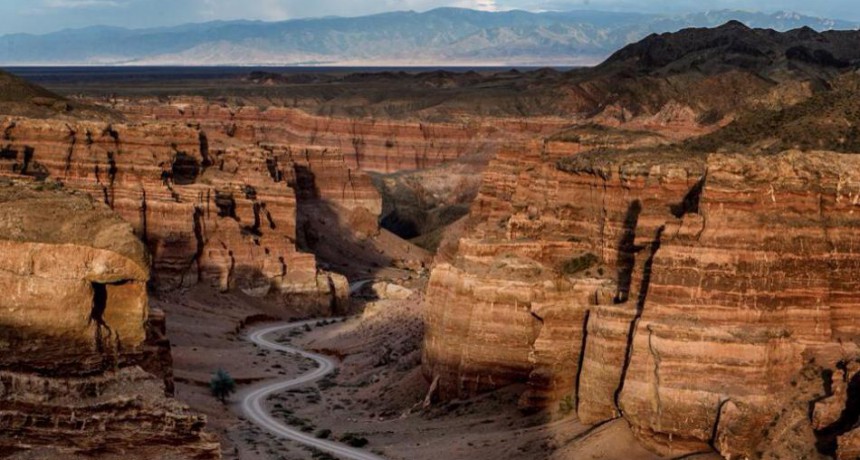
(223, 216)
(366, 144)
(214, 189)
(707, 300)
(87, 368)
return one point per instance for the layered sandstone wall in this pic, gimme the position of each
(84, 368)
(213, 189)
(75, 283)
(695, 296)
(224, 216)
(366, 144)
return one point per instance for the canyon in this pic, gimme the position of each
(659, 248)
(272, 207)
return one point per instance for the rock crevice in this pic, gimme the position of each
(693, 333)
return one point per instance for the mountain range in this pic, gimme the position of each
(448, 36)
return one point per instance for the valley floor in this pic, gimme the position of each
(376, 394)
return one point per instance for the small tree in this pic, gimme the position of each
(222, 385)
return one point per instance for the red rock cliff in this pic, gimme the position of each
(83, 370)
(366, 144)
(699, 297)
(223, 216)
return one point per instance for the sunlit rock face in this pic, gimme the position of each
(225, 217)
(213, 189)
(74, 277)
(85, 367)
(364, 143)
(710, 300)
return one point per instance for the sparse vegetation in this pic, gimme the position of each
(579, 264)
(328, 381)
(826, 121)
(566, 405)
(354, 440)
(291, 419)
(317, 454)
(222, 385)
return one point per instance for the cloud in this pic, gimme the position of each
(277, 10)
(267, 10)
(40, 16)
(80, 3)
(486, 5)
(274, 10)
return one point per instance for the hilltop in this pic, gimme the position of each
(19, 97)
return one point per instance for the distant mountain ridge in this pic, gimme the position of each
(449, 36)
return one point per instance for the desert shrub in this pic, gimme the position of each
(579, 263)
(317, 454)
(222, 385)
(325, 433)
(326, 382)
(709, 117)
(354, 440)
(566, 405)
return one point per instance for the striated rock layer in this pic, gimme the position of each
(366, 144)
(86, 367)
(213, 190)
(226, 217)
(708, 300)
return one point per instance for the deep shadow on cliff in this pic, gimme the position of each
(350, 242)
(420, 205)
(713, 246)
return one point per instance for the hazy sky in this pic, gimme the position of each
(40, 16)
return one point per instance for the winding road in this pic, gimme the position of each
(253, 404)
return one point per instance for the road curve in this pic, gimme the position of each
(356, 286)
(253, 404)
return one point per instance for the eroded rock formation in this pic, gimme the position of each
(364, 144)
(208, 212)
(700, 297)
(214, 189)
(85, 367)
